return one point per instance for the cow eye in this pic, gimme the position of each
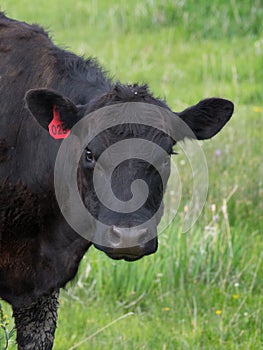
(166, 161)
(89, 156)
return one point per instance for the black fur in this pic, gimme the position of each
(39, 251)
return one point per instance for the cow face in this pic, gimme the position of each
(126, 235)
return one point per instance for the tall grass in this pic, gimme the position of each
(202, 289)
(197, 20)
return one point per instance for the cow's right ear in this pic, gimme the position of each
(44, 103)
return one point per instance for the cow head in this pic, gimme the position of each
(128, 235)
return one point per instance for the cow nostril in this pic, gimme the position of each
(120, 238)
(143, 236)
(115, 236)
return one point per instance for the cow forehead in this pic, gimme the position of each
(130, 131)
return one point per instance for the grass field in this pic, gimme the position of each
(203, 288)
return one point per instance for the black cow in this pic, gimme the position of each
(39, 251)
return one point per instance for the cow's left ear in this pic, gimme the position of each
(44, 103)
(207, 117)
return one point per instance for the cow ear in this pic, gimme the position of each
(207, 117)
(46, 105)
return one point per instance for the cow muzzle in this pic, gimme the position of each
(128, 243)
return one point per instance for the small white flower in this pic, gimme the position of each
(182, 162)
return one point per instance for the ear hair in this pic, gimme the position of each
(207, 117)
(41, 103)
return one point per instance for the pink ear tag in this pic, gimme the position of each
(55, 127)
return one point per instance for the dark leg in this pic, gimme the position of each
(36, 323)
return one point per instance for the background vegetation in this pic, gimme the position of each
(202, 289)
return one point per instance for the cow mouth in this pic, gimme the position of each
(129, 257)
(122, 255)
(130, 254)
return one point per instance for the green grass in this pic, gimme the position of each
(202, 289)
